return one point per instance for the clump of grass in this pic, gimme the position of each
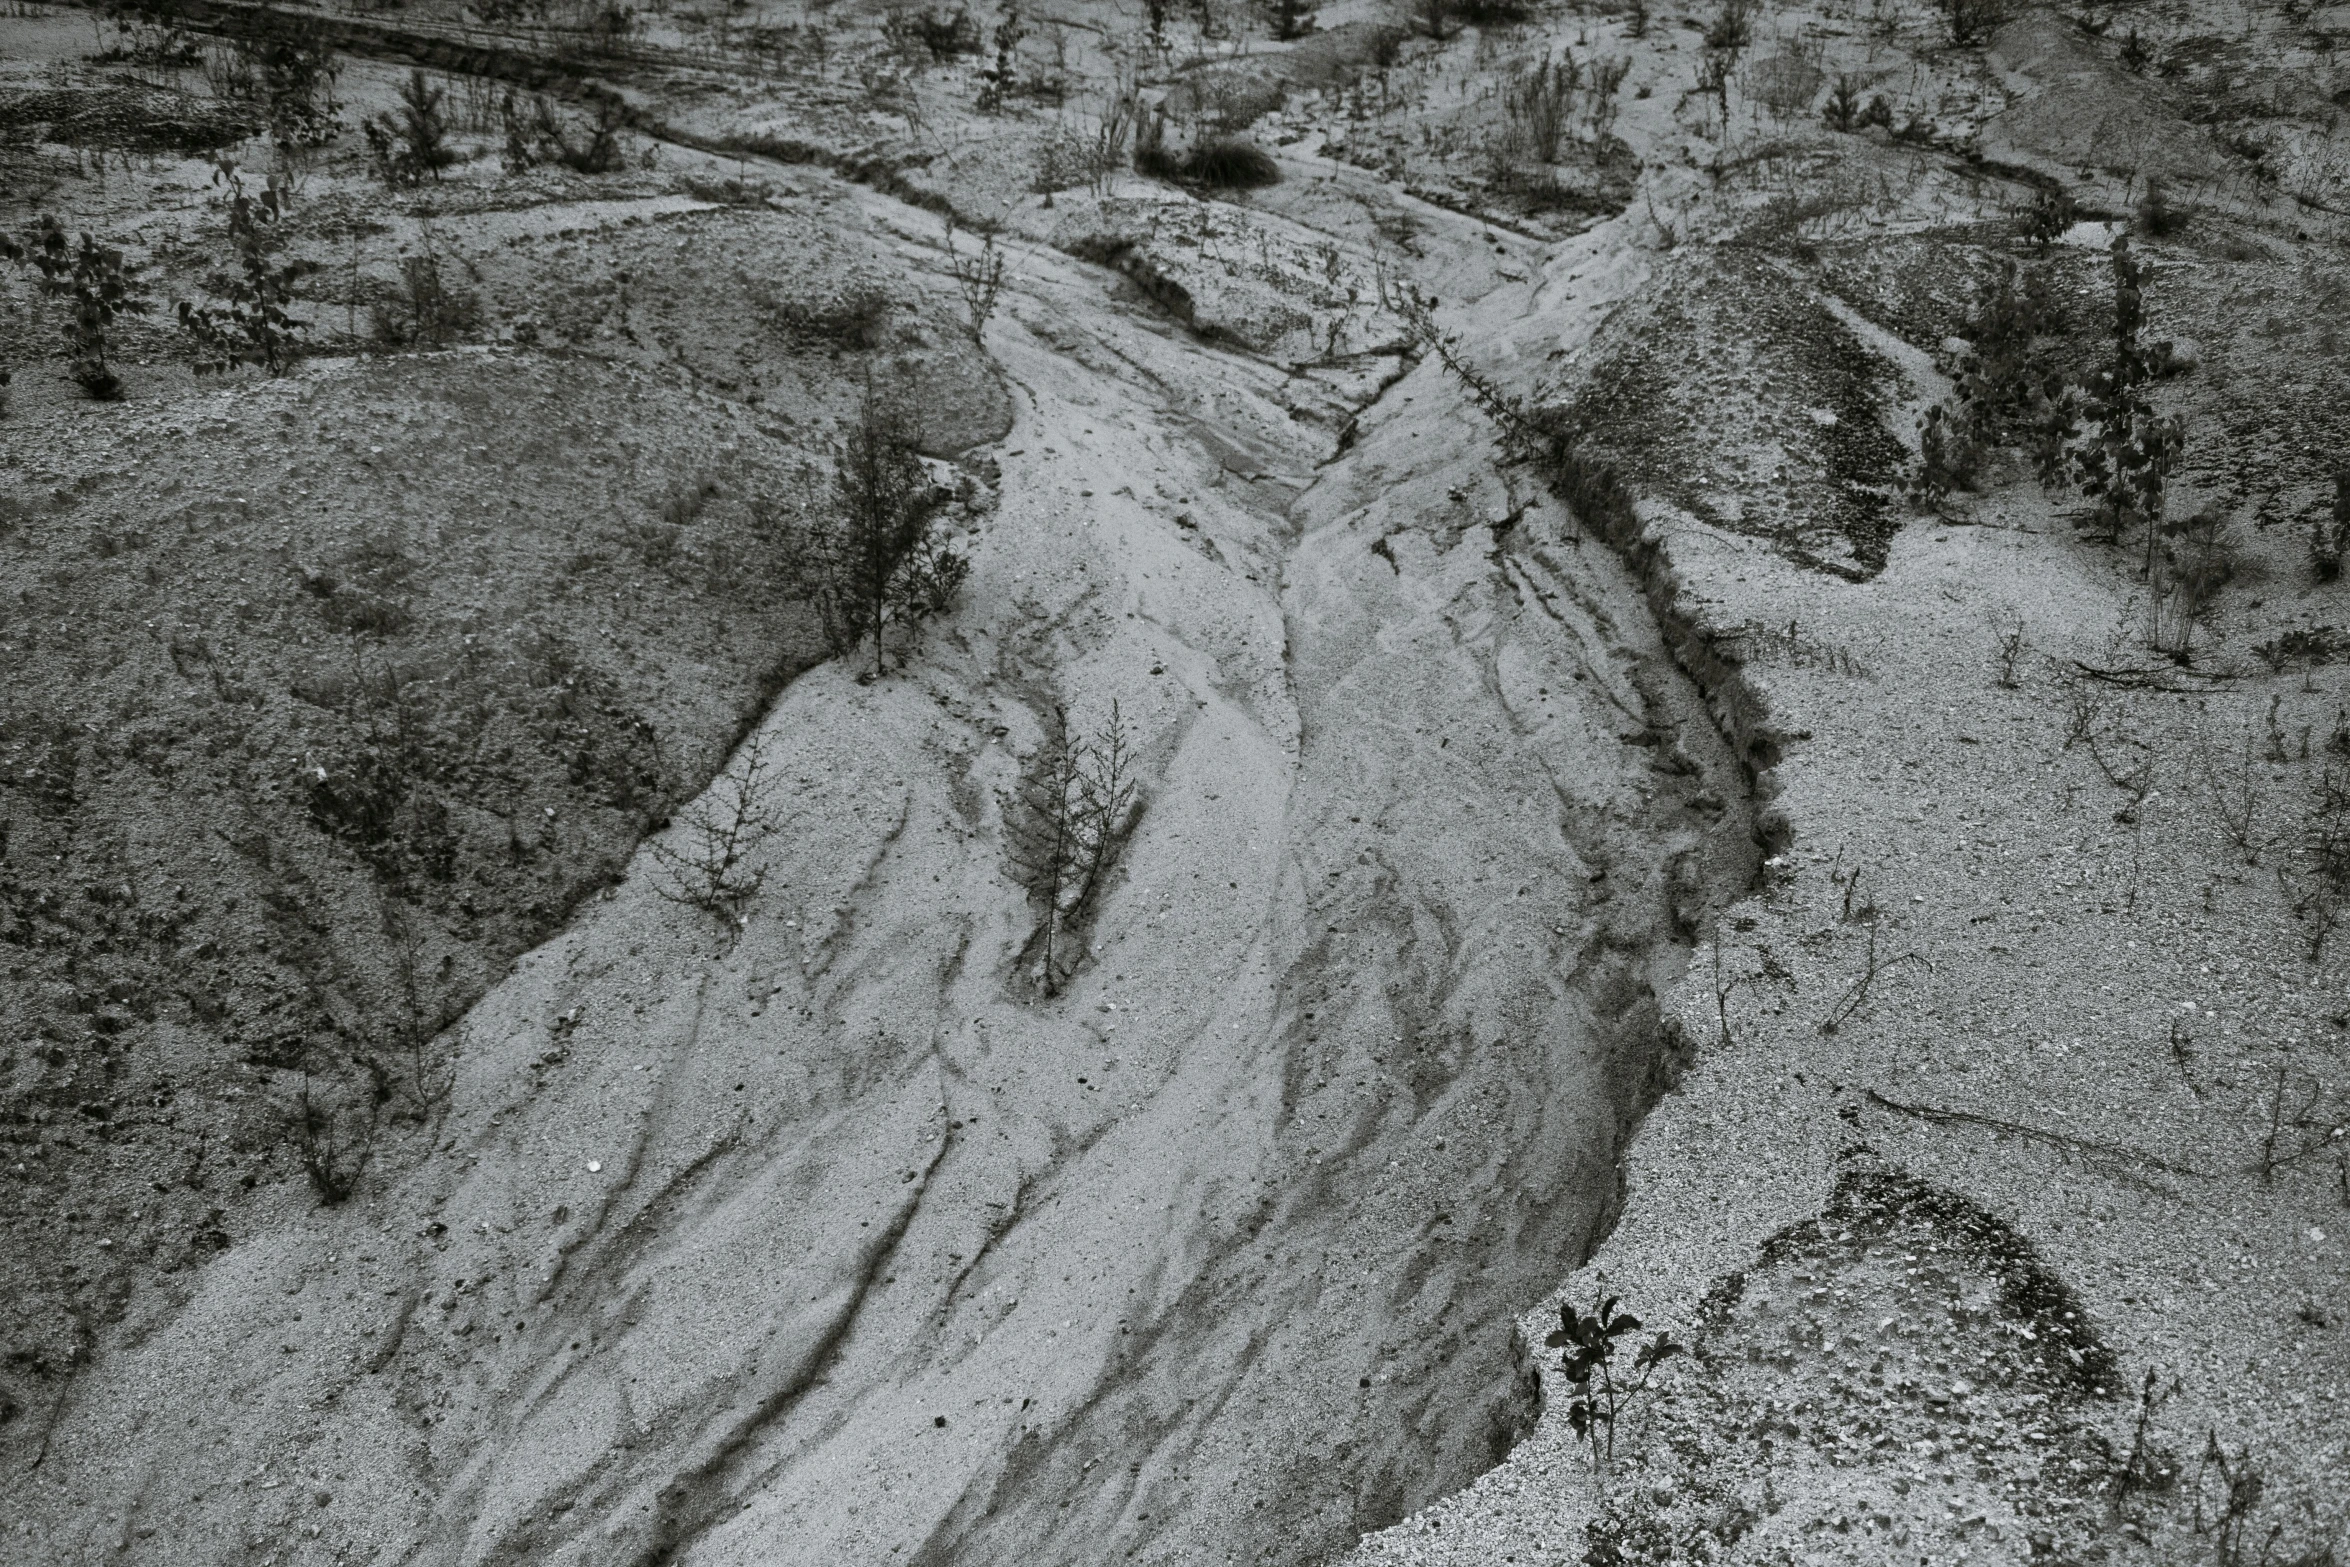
(1231, 163)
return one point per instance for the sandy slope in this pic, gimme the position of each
(834, 1243)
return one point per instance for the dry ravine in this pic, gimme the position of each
(841, 1241)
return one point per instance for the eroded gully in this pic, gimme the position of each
(839, 1243)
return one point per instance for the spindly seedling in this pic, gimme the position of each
(1588, 1359)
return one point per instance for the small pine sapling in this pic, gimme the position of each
(1076, 808)
(1587, 1346)
(1949, 458)
(881, 563)
(1844, 105)
(254, 327)
(412, 144)
(1971, 21)
(999, 81)
(707, 865)
(2123, 457)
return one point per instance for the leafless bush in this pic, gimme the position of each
(2195, 559)
(2326, 838)
(2008, 652)
(707, 864)
(978, 274)
(333, 1142)
(2231, 789)
(2305, 1119)
(1856, 995)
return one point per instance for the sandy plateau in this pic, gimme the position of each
(1663, 781)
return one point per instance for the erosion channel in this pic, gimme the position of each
(840, 1241)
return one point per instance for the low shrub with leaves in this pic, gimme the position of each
(97, 286)
(425, 308)
(1231, 163)
(1588, 1346)
(2042, 221)
(536, 135)
(254, 327)
(936, 35)
(288, 58)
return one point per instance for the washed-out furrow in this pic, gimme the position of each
(837, 1243)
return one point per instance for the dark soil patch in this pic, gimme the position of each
(319, 703)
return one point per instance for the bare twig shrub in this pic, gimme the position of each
(2008, 651)
(2326, 841)
(2330, 538)
(2231, 789)
(425, 309)
(2195, 559)
(332, 1141)
(1856, 995)
(2304, 1120)
(978, 274)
